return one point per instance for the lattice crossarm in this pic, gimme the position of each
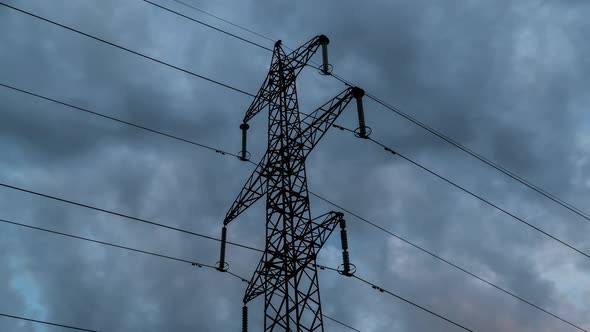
(253, 189)
(319, 121)
(256, 285)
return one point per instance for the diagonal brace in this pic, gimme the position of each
(314, 238)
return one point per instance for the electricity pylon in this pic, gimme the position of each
(286, 273)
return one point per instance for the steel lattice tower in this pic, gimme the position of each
(286, 273)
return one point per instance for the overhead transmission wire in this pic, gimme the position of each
(205, 24)
(471, 193)
(474, 154)
(192, 262)
(240, 90)
(222, 152)
(415, 121)
(195, 263)
(252, 95)
(200, 265)
(485, 160)
(127, 49)
(154, 254)
(117, 119)
(187, 141)
(224, 20)
(341, 323)
(44, 322)
(448, 262)
(126, 216)
(441, 136)
(383, 290)
(192, 142)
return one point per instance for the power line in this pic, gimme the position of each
(117, 120)
(448, 262)
(205, 24)
(314, 194)
(515, 217)
(512, 175)
(194, 263)
(241, 27)
(238, 90)
(128, 50)
(383, 290)
(474, 154)
(488, 202)
(63, 200)
(433, 131)
(249, 94)
(341, 323)
(483, 159)
(47, 323)
(210, 148)
(224, 20)
(181, 260)
(233, 24)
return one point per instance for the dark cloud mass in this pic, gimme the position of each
(507, 79)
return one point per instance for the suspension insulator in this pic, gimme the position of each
(222, 264)
(343, 235)
(324, 41)
(346, 266)
(344, 243)
(244, 153)
(244, 318)
(345, 262)
(358, 94)
(344, 239)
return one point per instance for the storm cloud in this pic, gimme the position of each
(507, 79)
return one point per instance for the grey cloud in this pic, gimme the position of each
(455, 66)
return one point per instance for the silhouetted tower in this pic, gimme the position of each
(287, 274)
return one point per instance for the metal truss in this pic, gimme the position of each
(286, 273)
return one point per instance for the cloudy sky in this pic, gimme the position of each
(508, 79)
